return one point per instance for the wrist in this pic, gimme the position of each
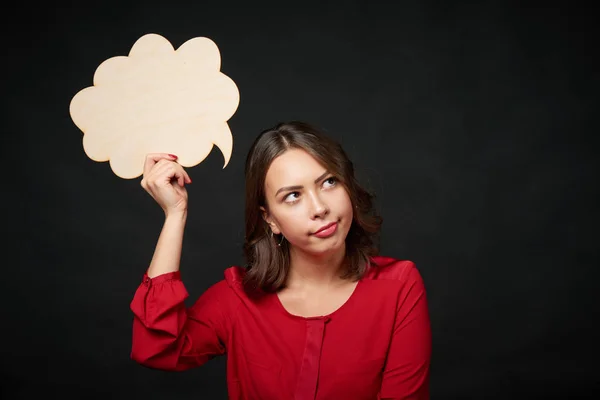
(176, 216)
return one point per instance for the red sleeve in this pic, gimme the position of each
(168, 336)
(406, 372)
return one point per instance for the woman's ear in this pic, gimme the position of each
(269, 220)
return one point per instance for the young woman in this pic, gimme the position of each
(316, 313)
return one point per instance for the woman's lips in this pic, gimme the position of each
(326, 231)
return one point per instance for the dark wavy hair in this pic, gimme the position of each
(267, 262)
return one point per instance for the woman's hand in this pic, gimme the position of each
(164, 179)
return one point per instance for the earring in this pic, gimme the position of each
(280, 242)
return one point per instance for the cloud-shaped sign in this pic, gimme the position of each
(157, 100)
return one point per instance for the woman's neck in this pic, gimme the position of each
(313, 271)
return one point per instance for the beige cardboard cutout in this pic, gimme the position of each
(157, 100)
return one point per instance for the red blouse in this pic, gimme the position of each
(377, 345)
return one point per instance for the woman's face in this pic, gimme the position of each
(307, 204)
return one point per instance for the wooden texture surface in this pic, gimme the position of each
(157, 99)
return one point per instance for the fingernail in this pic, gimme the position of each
(172, 156)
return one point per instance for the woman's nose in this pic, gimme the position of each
(319, 207)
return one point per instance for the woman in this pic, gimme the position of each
(316, 314)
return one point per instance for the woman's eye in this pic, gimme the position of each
(291, 198)
(329, 182)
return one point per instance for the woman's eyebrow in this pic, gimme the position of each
(286, 188)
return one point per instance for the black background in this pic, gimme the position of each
(473, 123)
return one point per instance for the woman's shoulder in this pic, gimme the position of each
(390, 268)
(228, 285)
(226, 292)
(234, 275)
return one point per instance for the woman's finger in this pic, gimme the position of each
(188, 180)
(181, 175)
(166, 171)
(153, 158)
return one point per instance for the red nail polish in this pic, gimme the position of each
(173, 156)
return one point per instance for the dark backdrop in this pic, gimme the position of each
(473, 123)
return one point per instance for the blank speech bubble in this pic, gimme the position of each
(157, 100)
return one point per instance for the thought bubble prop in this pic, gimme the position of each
(157, 100)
